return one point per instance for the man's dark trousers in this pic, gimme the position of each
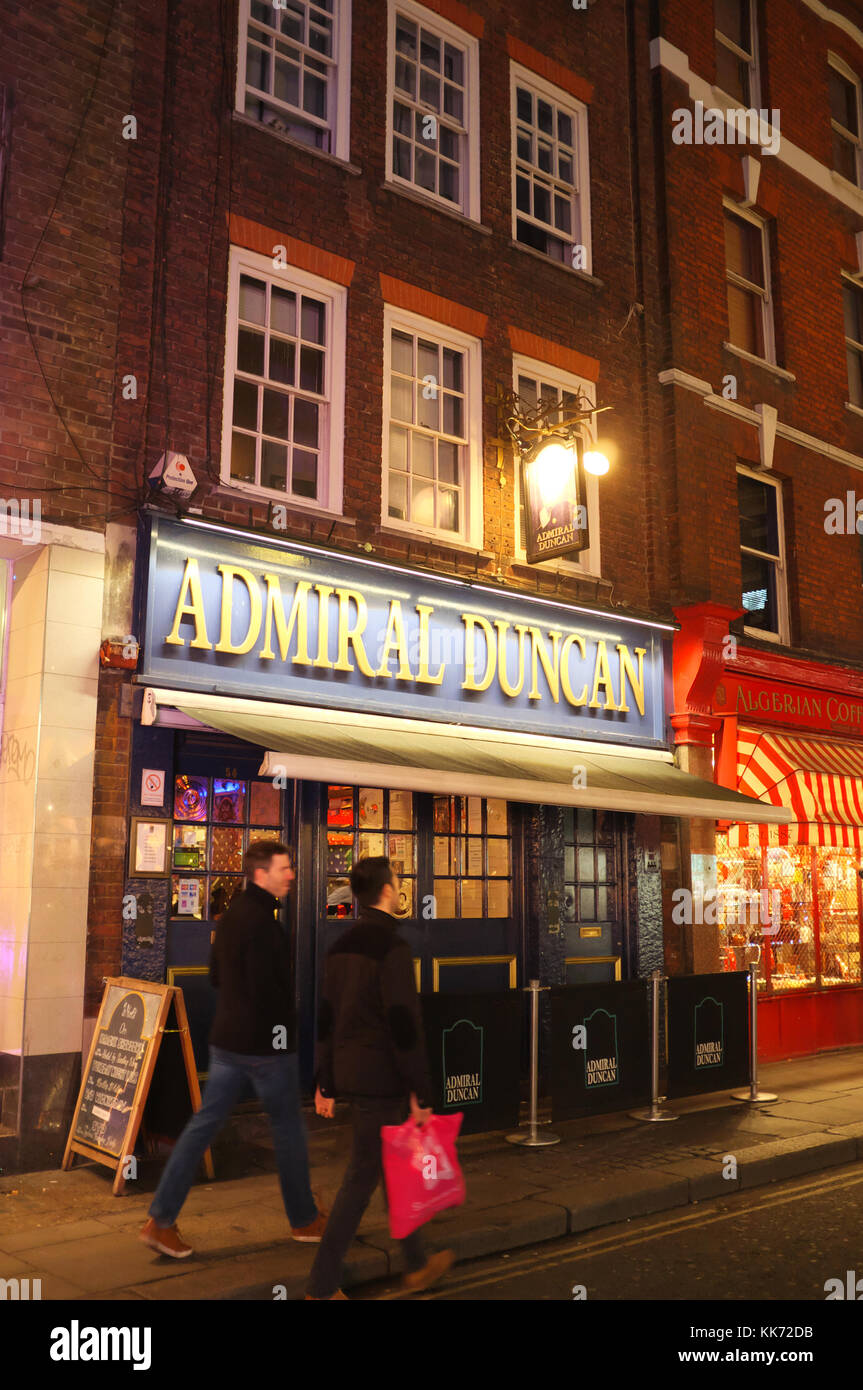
(364, 1172)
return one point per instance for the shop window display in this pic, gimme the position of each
(801, 903)
(215, 821)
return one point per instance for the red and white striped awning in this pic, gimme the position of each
(821, 782)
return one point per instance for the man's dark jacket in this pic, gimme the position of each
(250, 966)
(370, 1034)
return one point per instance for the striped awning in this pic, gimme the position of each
(820, 781)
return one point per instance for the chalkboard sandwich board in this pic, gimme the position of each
(125, 1056)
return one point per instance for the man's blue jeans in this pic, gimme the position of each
(276, 1083)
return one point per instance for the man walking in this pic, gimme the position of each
(370, 1051)
(252, 1038)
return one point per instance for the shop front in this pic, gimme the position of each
(508, 753)
(792, 735)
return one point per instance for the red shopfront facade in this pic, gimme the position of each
(789, 732)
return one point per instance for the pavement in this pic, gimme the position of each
(67, 1229)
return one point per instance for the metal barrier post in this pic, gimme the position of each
(531, 1138)
(654, 1113)
(753, 1095)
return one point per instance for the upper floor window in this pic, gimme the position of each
(852, 301)
(736, 52)
(845, 113)
(433, 108)
(284, 382)
(747, 274)
(432, 429)
(535, 382)
(294, 69)
(551, 202)
(762, 556)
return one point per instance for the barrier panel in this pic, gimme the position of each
(600, 1048)
(708, 1032)
(474, 1051)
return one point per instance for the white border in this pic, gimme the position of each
(579, 113)
(340, 119)
(470, 201)
(471, 532)
(332, 447)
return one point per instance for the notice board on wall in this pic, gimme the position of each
(129, 1067)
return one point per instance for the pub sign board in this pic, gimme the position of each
(555, 519)
(600, 1048)
(230, 614)
(473, 1042)
(708, 1032)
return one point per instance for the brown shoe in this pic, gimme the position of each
(435, 1269)
(166, 1239)
(309, 1298)
(311, 1235)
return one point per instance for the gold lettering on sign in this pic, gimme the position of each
(637, 682)
(602, 676)
(396, 640)
(190, 588)
(299, 618)
(425, 610)
(571, 640)
(229, 573)
(502, 672)
(351, 635)
(550, 664)
(471, 622)
(324, 593)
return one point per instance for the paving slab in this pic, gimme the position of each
(835, 1112)
(37, 1237)
(600, 1203)
(112, 1261)
(788, 1158)
(705, 1178)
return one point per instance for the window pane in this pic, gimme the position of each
(265, 805)
(371, 846)
(371, 808)
(312, 370)
(855, 376)
(227, 850)
(305, 423)
(844, 157)
(401, 810)
(243, 457)
(276, 418)
(745, 320)
(250, 352)
(447, 462)
(852, 298)
(759, 592)
(448, 510)
(190, 798)
(496, 814)
(283, 311)
(843, 101)
(422, 504)
(401, 399)
(471, 897)
(732, 20)
(253, 300)
(397, 505)
(422, 456)
(444, 892)
(759, 525)
(282, 361)
(304, 474)
(732, 74)
(340, 806)
(314, 316)
(743, 249)
(498, 898)
(245, 404)
(402, 353)
(840, 926)
(274, 465)
(498, 858)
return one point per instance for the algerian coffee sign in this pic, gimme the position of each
(123, 1063)
(708, 1032)
(600, 1052)
(473, 1042)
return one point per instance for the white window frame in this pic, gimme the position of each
(578, 111)
(333, 430)
(781, 636)
(340, 118)
(751, 58)
(470, 186)
(855, 282)
(471, 533)
(843, 70)
(587, 563)
(765, 295)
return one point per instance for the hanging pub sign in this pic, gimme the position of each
(227, 612)
(600, 1048)
(555, 501)
(473, 1043)
(708, 1032)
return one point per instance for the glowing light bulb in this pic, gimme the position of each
(595, 462)
(553, 471)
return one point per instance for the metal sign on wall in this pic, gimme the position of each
(230, 614)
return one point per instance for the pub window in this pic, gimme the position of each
(284, 384)
(472, 857)
(845, 120)
(852, 302)
(761, 557)
(590, 883)
(747, 275)
(215, 821)
(736, 55)
(551, 206)
(293, 74)
(365, 823)
(431, 429)
(433, 136)
(533, 382)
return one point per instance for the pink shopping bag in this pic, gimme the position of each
(421, 1171)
